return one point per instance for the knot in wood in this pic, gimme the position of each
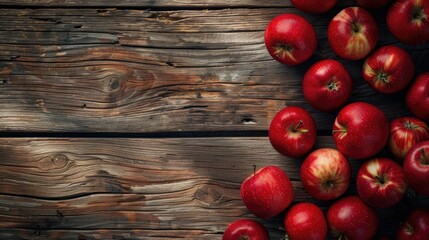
(208, 195)
(114, 83)
(49, 163)
(60, 160)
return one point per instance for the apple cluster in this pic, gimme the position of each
(360, 130)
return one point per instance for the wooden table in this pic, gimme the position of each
(140, 119)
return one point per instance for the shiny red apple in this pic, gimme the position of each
(416, 167)
(408, 21)
(353, 33)
(405, 132)
(290, 39)
(314, 6)
(415, 226)
(245, 229)
(293, 131)
(325, 174)
(417, 99)
(381, 182)
(327, 85)
(267, 192)
(360, 130)
(305, 221)
(350, 218)
(372, 3)
(389, 69)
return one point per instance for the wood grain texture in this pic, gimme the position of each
(156, 3)
(84, 70)
(126, 188)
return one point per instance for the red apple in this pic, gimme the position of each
(325, 174)
(290, 39)
(373, 3)
(360, 130)
(408, 21)
(245, 229)
(267, 192)
(381, 182)
(314, 6)
(350, 218)
(353, 33)
(405, 132)
(327, 85)
(305, 221)
(389, 69)
(293, 132)
(416, 167)
(415, 227)
(417, 98)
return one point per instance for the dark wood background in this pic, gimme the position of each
(140, 119)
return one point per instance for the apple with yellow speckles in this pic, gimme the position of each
(381, 182)
(327, 85)
(353, 33)
(245, 229)
(352, 219)
(290, 39)
(416, 167)
(408, 21)
(325, 174)
(389, 69)
(415, 226)
(417, 98)
(267, 192)
(405, 132)
(293, 131)
(305, 221)
(360, 130)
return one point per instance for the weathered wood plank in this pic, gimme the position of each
(113, 234)
(156, 3)
(126, 188)
(131, 186)
(57, 168)
(80, 70)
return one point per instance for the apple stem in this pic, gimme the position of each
(297, 127)
(342, 237)
(409, 228)
(356, 27)
(382, 77)
(418, 14)
(254, 169)
(329, 184)
(381, 179)
(283, 47)
(342, 129)
(410, 125)
(339, 130)
(332, 86)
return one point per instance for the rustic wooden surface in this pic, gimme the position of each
(156, 3)
(179, 94)
(124, 188)
(116, 70)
